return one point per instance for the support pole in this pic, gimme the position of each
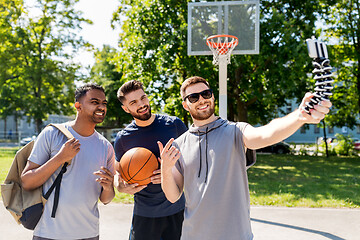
(223, 86)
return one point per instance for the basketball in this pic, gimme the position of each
(137, 166)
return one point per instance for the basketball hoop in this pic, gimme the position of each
(222, 45)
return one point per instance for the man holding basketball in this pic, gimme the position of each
(212, 165)
(154, 217)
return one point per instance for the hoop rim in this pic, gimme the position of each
(217, 45)
(221, 35)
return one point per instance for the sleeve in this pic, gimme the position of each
(180, 127)
(111, 159)
(249, 153)
(118, 147)
(41, 151)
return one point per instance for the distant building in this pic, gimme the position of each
(25, 128)
(310, 133)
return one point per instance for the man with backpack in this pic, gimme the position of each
(88, 177)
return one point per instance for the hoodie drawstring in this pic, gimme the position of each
(200, 155)
(206, 155)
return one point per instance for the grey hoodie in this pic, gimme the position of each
(213, 163)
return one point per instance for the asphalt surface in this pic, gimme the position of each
(268, 223)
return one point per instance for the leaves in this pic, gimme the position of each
(36, 58)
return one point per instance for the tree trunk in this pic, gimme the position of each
(242, 115)
(39, 123)
(5, 130)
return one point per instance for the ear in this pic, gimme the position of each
(185, 106)
(77, 106)
(125, 108)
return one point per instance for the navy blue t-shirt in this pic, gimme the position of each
(151, 201)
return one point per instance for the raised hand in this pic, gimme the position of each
(168, 155)
(69, 150)
(316, 114)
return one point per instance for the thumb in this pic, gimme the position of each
(161, 146)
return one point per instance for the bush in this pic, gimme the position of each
(344, 145)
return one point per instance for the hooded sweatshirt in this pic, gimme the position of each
(213, 164)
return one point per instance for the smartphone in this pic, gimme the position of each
(316, 48)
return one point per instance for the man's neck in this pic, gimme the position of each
(145, 123)
(82, 128)
(199, 123)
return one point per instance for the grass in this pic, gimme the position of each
(283, 180)
(305, 181)
(6, 157)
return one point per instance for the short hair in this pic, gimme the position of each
(128, 87)
(82, 90)
(191, 81)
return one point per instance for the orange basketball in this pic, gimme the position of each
(137, 166)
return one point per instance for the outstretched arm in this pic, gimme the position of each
(171, 180)
(281, 128)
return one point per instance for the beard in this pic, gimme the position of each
(203, 115)
(142, 117)
(97, 119)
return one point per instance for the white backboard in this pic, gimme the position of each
(237, 18)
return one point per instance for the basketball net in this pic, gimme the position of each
(222, 45)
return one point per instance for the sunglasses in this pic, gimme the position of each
(194, 97)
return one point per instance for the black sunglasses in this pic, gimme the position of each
(194, 97)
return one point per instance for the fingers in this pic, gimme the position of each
(160, 146)
(317, 113)
(105, 176)
(156, 178)
(74, 144)
(169, 143)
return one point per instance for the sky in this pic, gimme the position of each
(100, 32)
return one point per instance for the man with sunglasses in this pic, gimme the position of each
(154, 218)
(211, 169)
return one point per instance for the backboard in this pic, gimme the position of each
(237, 18)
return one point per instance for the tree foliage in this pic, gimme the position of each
(37, 76)
(341, 26)
(153, 46)
(105, 73)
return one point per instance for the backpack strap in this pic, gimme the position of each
(61, 127)
(56, 184)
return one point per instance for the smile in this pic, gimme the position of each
(143, 110)
(203, 107)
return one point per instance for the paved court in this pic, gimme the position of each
(267, 222)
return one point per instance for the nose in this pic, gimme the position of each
(102, 106)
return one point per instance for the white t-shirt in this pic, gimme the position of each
(77, 215)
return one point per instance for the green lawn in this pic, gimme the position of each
(305, 181)
(284, 180)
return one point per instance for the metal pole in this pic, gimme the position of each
(223, 86)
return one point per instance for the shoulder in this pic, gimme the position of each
(167, 120)
(103, 140)
(239, 125)
(182, 138)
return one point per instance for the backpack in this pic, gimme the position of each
(27, 206)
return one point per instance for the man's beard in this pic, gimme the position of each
(203, 115)
(142, 117)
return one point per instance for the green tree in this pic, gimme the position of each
(105, 73)
(341, 26)
(37, 56)
(153, 45)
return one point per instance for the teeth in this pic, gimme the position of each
(201, 108)
(142, 110)
(100, 114)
